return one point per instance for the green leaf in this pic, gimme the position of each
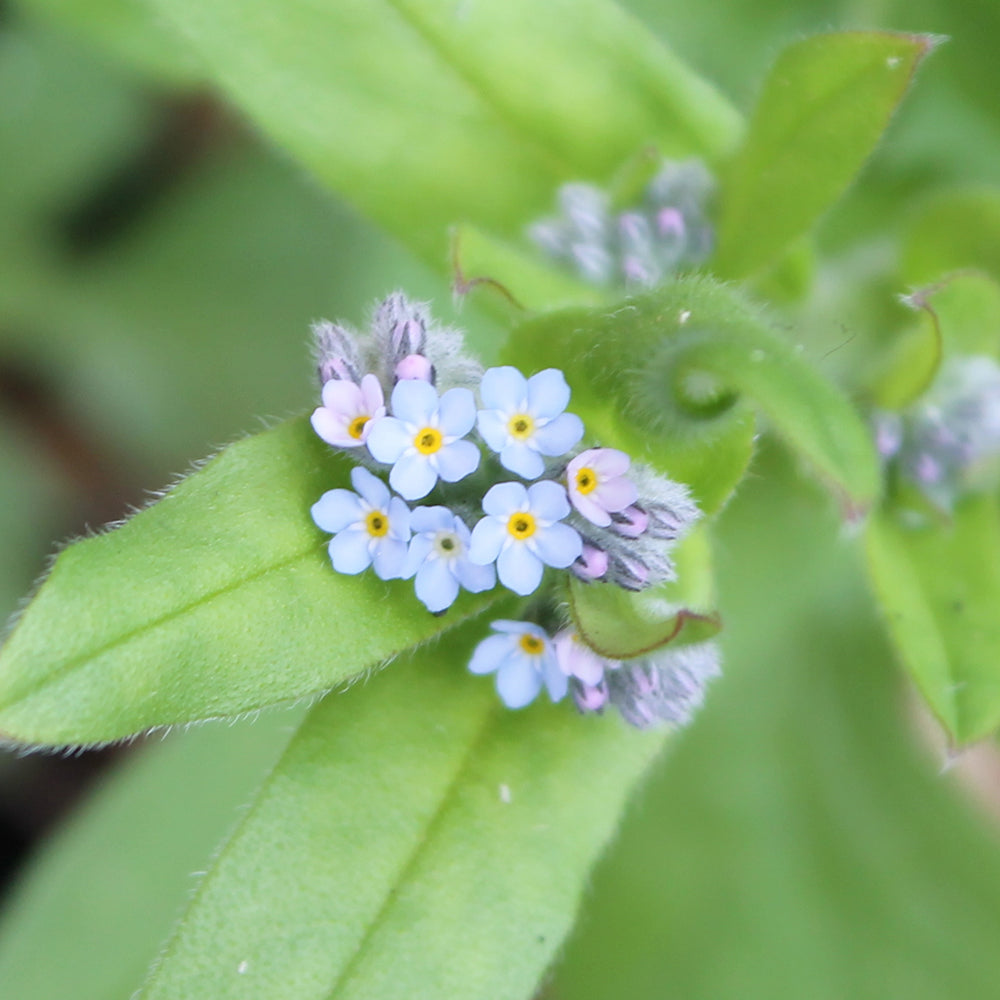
(215, 601)
(424, 115)
(954, 230)
(445, 861)
(824, 106)
(800, 839)
(960, 315)
(127, 29)
(622, 625)
(661, 376)
(939, 587)
(106, 890)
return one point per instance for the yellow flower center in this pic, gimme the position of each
(586, 481)
(531, 644)
(521, 525)
(428, 441)
(377, 524)
(521, 426)
(357, 426)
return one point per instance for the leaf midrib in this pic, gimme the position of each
(81, 659)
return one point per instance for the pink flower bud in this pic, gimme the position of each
(590, 698)
(592, 563)
(415, 366)
(630, 522)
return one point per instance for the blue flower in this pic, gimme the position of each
(523, 419)
(369, 527)
(523, 657)
(422, 440)
(439, 556)
(523, 533)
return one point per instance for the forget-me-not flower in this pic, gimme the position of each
(524, 659)
(523, 419)
(577, 659)
(523, 532)
(370, 528)
(423, 439)
(345, 418)
(439, 556)
(598, 486)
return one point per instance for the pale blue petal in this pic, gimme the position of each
(492, 426)
(349, 551)
(473, 578)
(506, 625)
(548, 500)
(457, 460)
(518, 682)
(504, 498)
(548, 393)
(413, 476)
(432, 519)
(336, 509)
(487, 540)
(371, 488)
(435, 585)
(399, 520)
(555, 680)
(519, 570)
(462, 530)
(388, 439)
(414, 401)
(503, 388)
(490, 653)
(419, 550)
(389, 558)
(560, 435)
(520, 458)
(457, 412)
(558, 545)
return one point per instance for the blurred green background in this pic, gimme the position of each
(159, 267)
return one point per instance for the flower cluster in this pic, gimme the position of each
(946, 443)
(667, 230)
(506, 492)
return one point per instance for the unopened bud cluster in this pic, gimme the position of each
(948, 442)
(509, 492)
(666, 231)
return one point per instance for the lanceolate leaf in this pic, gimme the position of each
(939, 588)
(215, 601)
(425, 114)
(417, 839)
(823, 109)
(662, 376)
(107, 888)
(939, 582)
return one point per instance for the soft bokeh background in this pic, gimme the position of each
(159, 267)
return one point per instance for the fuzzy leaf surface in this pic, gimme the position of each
(424, 114)
(667, 377)
(215, 601)
(823, 109)
(439, 846)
